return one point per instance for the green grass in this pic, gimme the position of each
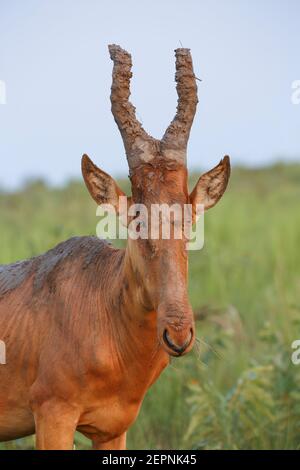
(238, 389)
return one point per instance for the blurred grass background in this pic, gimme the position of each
(238, 389)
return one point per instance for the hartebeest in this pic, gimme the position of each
(87, 327)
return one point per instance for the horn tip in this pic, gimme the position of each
(117, 53)
(182, 51)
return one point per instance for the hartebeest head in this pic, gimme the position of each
(158, 175)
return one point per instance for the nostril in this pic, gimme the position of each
(175, 347)
(169, 342)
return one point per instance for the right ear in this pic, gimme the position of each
(102, 187)
(211, 186)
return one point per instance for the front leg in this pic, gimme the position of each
(55, 424)
(119, 443)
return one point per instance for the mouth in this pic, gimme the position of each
(176, 350)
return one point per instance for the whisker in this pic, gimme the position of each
(171, 364)
(219, 355)
(198, 355)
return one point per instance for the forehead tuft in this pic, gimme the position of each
(163, 179)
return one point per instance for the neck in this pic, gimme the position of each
(135, 325)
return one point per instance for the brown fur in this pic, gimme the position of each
(70, 343)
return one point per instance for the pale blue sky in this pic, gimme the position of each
(55, 63)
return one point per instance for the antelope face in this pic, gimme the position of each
(158, 177)
(161, 256)
(158, 251)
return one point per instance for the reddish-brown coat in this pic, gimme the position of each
(88, 328)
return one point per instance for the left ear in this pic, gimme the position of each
(102, 187)
(211, 186)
